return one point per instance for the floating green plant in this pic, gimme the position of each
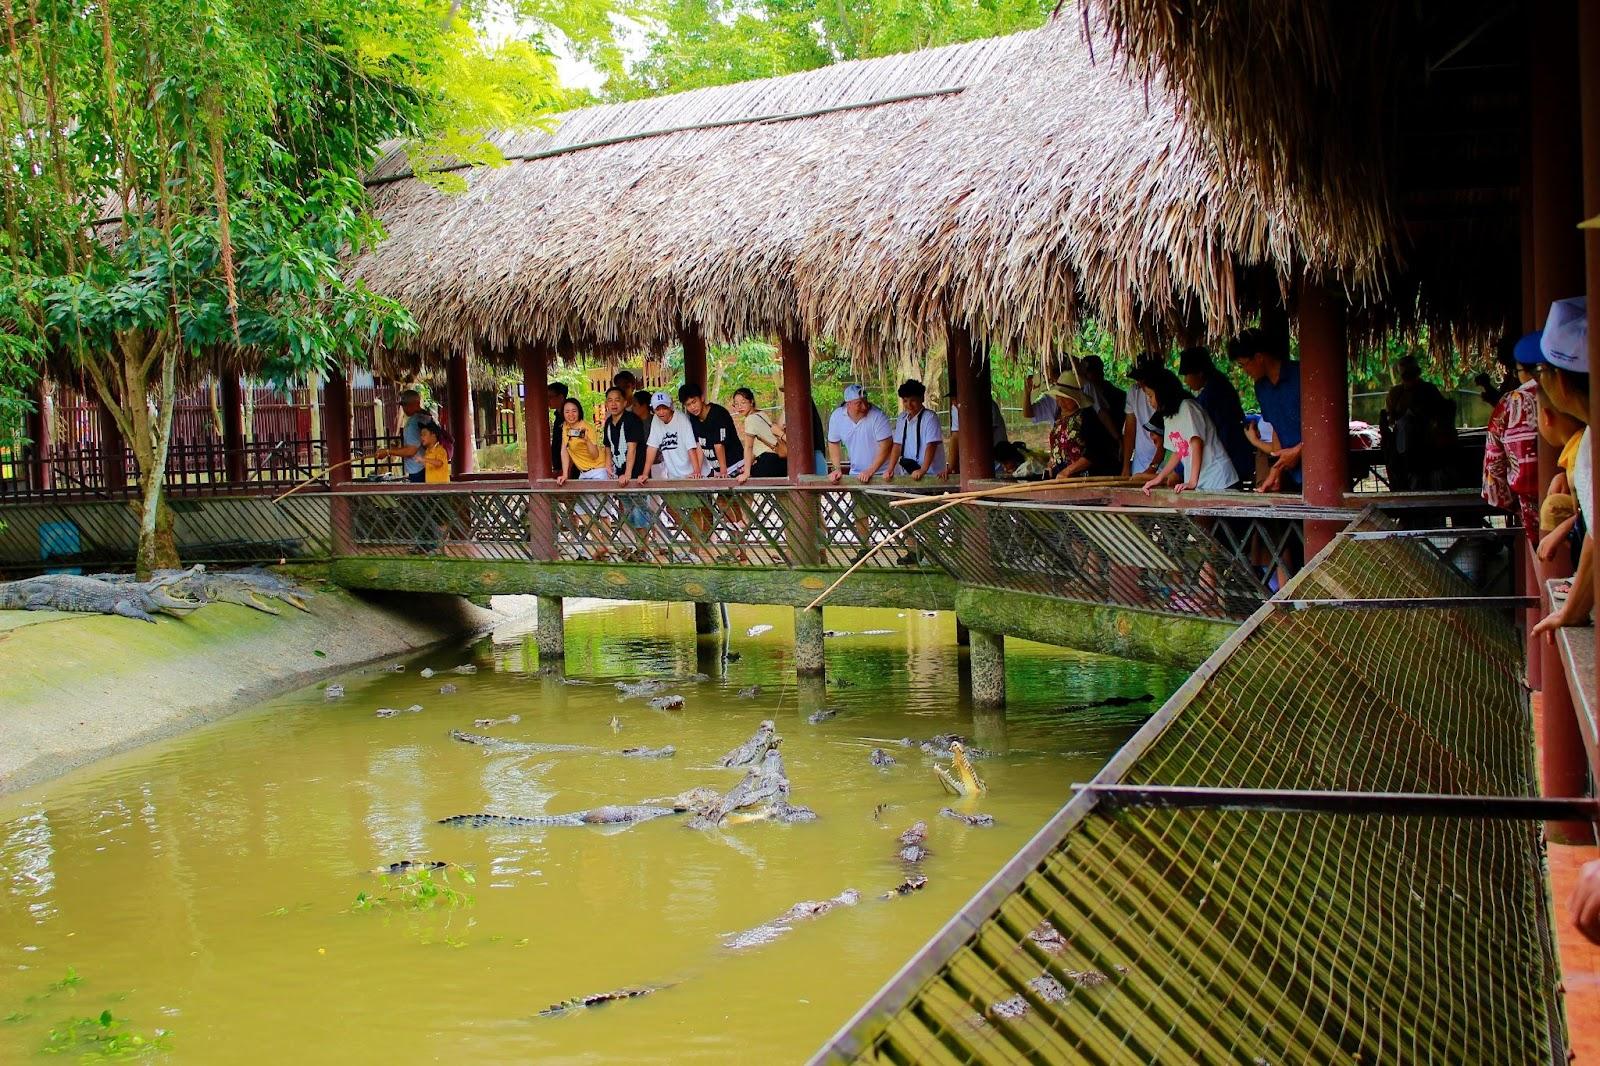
(102, 1037)
(419, 890)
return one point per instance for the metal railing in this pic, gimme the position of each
(1356, 875)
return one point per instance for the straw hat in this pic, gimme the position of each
(1068, 387)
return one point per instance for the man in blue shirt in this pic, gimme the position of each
(1277, 381)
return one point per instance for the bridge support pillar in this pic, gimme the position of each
(549, 632)
(1324, 406)
(458, 394)
(230, 398)
(808, 655)
(987, 662)
(707, 619)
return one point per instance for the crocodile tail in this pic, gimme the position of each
(484, 821)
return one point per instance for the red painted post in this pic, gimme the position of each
(805, 512)
(694, 356)
(1557, 203)
(1324, 407)
(969, 366)
(458, 393)
(534, 360)
(231, 399)
(113, 451)
(37, 476)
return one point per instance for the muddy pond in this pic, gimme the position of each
(216, 894)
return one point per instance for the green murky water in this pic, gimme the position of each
(206, 886)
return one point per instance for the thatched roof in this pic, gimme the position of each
(1008, 184)
(1397, 127)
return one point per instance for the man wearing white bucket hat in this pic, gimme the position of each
(1564, 376)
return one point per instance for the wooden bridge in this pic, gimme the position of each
(1102, 571)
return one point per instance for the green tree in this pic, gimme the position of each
(694, 43)
(181, 180)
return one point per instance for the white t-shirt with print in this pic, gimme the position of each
(860, 439)
(673, 442)
(915, 434)
(1216, 469)
(1144, 416)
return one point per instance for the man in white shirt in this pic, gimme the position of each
(864, 432)
(672, 444)
(1140, 448)
(917, 448)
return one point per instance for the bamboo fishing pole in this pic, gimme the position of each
(314, 477)
(1100, 482)
(945, 503)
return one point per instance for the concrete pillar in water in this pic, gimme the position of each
(707, 619)
(549, 632)
(963, 635)
(987, 661)
(808, 659)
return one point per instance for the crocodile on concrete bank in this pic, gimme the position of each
(750, 752)
(89, 595)
(696, 799)
(767, 932)
(252, 587)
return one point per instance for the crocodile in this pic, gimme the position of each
(1109, 701)
(390, 712)
(407, 866)
(750, 752)
(764, 793)
(767, 932)
(911, 841)
(749, 693)
(940, 743)
(881, 759)
(599, 999)
(501, 744)
(649, 753)
(696, 799)
(976, 821)
(964, 782)
(818, 717)
(630, 690)
(490, 723)
(89, 595)
(666, 703)
(251, 587)
(915, 883)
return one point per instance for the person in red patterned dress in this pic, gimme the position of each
(1511, 445)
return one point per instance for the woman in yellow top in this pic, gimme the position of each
(581, 448)
(435, 463)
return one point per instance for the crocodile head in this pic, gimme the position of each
(699, 800)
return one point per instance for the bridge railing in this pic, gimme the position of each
(665, 523)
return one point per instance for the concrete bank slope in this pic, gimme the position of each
(77, 687)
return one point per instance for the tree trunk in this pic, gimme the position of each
(149, 438)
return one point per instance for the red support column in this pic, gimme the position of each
(113, 451)
(1556, 208)
(1324, 407)
(694, 356)
(534, 360)
(38, 474)
(336, 425)
(458, 390)
(231, 398)
(969, 367)
(805, 511)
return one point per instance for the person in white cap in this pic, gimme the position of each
(1564, 377)
(672, 443)
(864, 432)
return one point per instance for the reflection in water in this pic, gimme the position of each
(206, 884)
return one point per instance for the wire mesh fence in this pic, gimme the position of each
(1133, 935)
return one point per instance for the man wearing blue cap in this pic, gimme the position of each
(1564, 376)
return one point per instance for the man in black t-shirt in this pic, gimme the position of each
(724, 452)
(625, 437)
(714, 428)
(555, 394)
